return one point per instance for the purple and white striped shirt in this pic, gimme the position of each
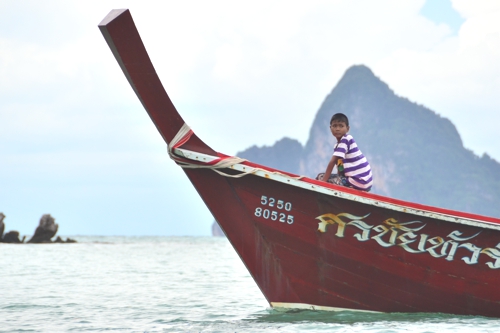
(356, 166)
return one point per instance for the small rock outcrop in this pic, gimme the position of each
(13, 237)
(68, 240)
(2, 225)
(45, 230)
(9, 237)
(44, 233)
(216, 230)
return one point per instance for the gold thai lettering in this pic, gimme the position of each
(408, 238)
(421, 243)
(435, 243)
(494, 253)
(455, 235)
(475, 253)
(406, 235)
(365, 228)
(383, 230)
(327, 219)
(395, 228)
(453, 249)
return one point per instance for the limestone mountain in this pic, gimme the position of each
(416, 155)
(285, 154)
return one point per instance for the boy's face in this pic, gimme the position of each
(339, 129)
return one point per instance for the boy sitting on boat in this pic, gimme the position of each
(353, 169)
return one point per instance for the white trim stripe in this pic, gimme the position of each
(282, 178)
(304, 306)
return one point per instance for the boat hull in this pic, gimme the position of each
(309, 244)
(377, 261)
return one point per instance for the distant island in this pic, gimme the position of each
(416, 155)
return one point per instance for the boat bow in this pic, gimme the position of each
(120, 32)
(309, 244)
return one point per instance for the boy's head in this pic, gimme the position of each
(339, 125)
(341, 118)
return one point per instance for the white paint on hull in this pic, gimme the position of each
(303, 306)
(337, 192)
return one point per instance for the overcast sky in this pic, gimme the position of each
(76, 143)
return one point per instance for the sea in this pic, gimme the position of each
(167, 284)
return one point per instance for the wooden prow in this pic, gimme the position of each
(118, 28)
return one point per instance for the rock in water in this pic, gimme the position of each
(12, 237)
(9, 237)
(45, 231)
(216, 230)
(68, 240)
(2, 226)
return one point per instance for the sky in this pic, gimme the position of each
(76, 143)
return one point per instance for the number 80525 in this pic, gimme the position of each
(273, 215)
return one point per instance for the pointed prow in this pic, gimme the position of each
(120, 32)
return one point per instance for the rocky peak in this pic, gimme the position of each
(415, 154)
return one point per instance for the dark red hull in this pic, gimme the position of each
(308, 244)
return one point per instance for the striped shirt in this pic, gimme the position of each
(356, 166)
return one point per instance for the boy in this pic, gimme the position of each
(353, 170)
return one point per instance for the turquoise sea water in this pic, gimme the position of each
(166, 284)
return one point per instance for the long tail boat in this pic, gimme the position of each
(313, 245)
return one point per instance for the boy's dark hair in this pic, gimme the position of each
(341, 118)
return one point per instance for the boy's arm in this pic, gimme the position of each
(330, 167)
